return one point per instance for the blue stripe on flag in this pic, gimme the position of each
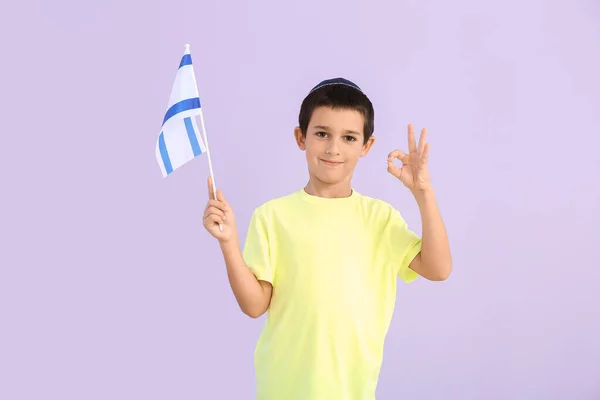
(164, 153)
(183, 105)
(185, 60)
(192, 136)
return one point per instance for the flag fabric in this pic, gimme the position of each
(180, 140)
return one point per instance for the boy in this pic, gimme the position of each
(324, 260)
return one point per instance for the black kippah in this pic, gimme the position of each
(336, 81)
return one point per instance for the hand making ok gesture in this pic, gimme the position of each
(413, 173)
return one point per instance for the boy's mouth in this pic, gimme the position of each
(331, 163)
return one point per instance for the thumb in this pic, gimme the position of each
(392, 168)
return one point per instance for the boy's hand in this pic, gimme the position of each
(217, 212)
(414, 173)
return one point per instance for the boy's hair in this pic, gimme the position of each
(338, 93)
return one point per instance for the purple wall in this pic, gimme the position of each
(111, 289)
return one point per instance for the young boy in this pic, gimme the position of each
(324, 260)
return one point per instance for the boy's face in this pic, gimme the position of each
(334, 142)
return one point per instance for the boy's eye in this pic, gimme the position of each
(346, 138)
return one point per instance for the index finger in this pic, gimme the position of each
(211, 193)
(399, 154)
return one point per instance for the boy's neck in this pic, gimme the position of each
(318, 188)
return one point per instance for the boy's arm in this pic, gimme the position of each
(434, 261)
(252, 295)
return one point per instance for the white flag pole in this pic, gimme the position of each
(212, 176)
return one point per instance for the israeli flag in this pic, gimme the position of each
(180, 140)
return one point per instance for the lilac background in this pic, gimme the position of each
(111, 289)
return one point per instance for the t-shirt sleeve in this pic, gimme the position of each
(404, 245)
(256, 249)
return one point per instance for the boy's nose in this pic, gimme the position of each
(332, 150)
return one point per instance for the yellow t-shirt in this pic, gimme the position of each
(333, 264)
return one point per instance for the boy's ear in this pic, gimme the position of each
(367, 146)
(300, 138)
